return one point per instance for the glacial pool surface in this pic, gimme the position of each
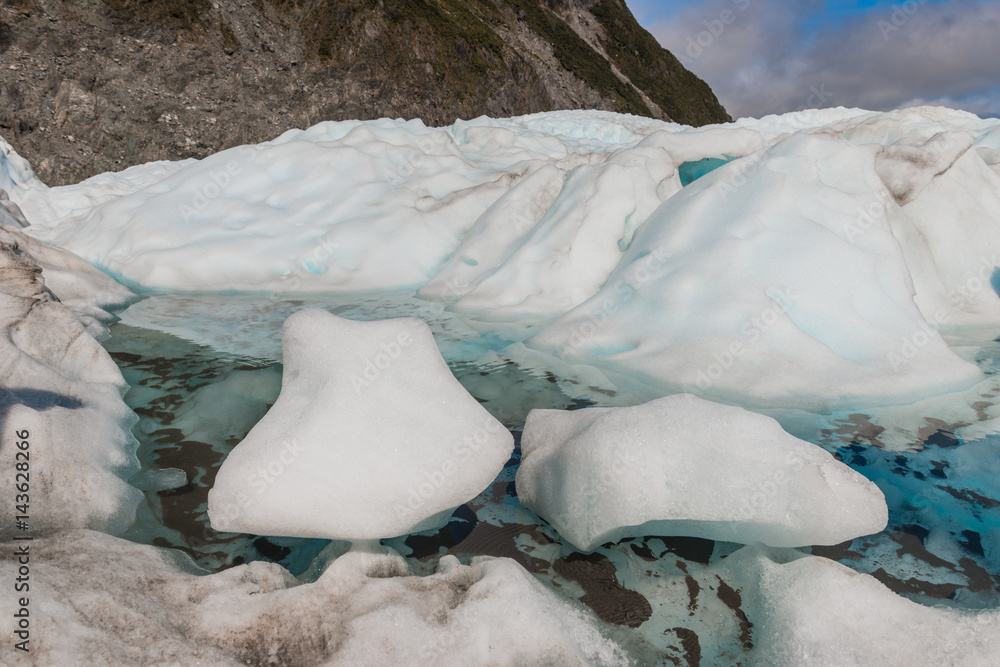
(203, 369)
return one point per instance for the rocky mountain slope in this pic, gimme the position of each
(88, 86)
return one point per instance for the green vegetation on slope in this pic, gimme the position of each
(442, 50)
(657, 72)
(576, 56)
(450, 27)
(459, 44)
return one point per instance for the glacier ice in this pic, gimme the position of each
(839, 261)
(682, 465)
(774, 280)
(371, 437)
(578, 221)
(952, 243)
(155, 607)
(552, 240)
(573, 228)
(380, 207)
(10, 213)
(62, 388)
(561, 259)
(810, 610)
(89, 294)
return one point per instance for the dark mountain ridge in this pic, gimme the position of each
(88, 86)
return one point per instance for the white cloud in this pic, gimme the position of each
(760, 58)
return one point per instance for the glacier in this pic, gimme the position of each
(153, 607)
(571, 232)
(63, 389)
(835, 270)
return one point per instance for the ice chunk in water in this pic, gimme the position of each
(682, 465)
(371, 437)
(810, 610)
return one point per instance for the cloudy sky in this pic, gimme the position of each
(772, 56)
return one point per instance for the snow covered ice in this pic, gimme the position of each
(811, 610)
(835, 269)
(61, 388)
(807, 272)
(371, 437)
(773, 282)
(156, 607)
(682, 465)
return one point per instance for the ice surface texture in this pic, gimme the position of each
(152, 607)
(61, 387)
(775, 280)
(682, 465)
(371, 437)
(810, 610)
(815, 269)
